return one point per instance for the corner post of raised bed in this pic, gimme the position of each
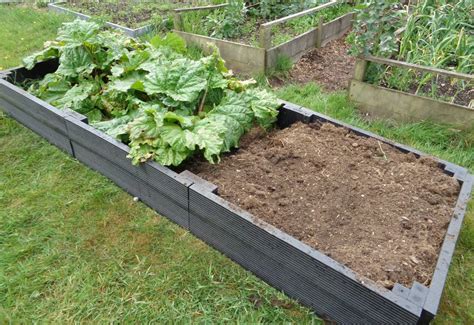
(319, 36)
(178, 20)
(360, 69)
(265, 37)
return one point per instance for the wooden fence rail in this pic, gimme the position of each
(406, 107)
(447, 73)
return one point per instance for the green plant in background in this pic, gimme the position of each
(375, 26)
(194, 22)
(433, 33)
(285, 32)
(227, 23)
(282, 67)
(440, 34)
(42, 3)
(162, 23)
(150, 95)
(273, 9)
(241, 20)
(135, 14)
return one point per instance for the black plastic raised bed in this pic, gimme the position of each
(332, 290)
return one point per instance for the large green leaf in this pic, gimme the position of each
(80, 98)
(78, 32)
(169, 156)
(233, 130)
(130, 62)
(117, 103)
(171, 41)
(235, 116)
(75, 61)
(141, 151)
(183, 120)
(237, 107)
(116, 127)
(49, 52)
(51, 88)
(76, 95)
(179, 139)
(209, 137)
(114, 45)
(146, 126)
(182, 80)
(131, 81)
(264, 105)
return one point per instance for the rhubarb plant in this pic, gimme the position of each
(149, 95)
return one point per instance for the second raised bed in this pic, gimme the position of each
(252, 60)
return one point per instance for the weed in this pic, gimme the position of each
(282, 67)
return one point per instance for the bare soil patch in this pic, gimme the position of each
(132, 14)
(330, 66)
(379, 211)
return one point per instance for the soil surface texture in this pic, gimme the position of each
(131, 14)
(443, 89)
(369, 206)
(330, 66)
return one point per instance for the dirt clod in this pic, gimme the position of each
(381, 212)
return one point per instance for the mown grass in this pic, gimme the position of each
(74, 247)
(457, 305)
(23, 30)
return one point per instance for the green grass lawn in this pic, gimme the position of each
(74, 247)
(23, 30)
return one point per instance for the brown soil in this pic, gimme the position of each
(445, 90)
(381, 212)
(128, 13)
(330, 66)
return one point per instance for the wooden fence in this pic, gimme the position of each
(402, 106)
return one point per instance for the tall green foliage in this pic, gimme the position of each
(273, 9)
(149, 95)
(226, 23)
(440, 34)
(240, 17)
(437, 33)
(375, 26)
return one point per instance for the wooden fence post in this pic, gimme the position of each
(178, 21)
(360, 69)
(265, 37)
(319, 36)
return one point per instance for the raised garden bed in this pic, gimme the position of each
(421, 48)
(133, 18)
(333, 290)
(270, 41)
(159, 187)
(385, 102)
(366, 210)
(44, 119)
